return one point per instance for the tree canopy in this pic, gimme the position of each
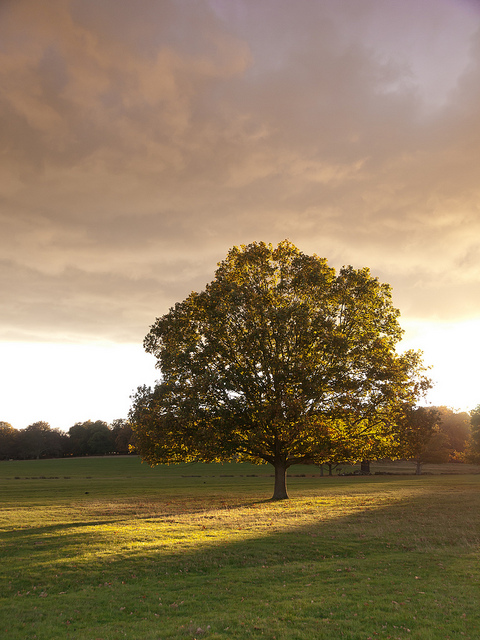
(91, 438)
(279, 360)
(40, 440)
(8, 440)
(420, 438)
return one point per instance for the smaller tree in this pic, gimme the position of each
(456, 429)
(8, 441)
(338, 449)
(91, 438)
(473, 449)
(124, 437)
(39, 440)
(419, 427)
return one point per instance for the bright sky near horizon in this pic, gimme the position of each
(140, 141)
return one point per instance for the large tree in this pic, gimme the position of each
(278, 360)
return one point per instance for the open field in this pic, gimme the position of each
(107, 548)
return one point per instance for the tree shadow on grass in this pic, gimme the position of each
(404, 518)
(373, 570)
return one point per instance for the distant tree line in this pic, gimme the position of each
(89, 438)
(433, 435)
(437, 435)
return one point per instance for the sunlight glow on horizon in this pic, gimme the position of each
(452, 350)
(67, 383)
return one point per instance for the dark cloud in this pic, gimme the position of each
(141, 140)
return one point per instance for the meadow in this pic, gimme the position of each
(108, 548)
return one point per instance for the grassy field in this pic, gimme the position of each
(107, 549)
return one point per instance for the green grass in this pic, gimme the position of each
(107, 548)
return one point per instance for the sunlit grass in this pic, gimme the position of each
(165, 555)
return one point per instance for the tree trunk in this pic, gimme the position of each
(418, 470)
(280, 490)
(365, 466)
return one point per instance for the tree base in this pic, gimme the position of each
(275, 498)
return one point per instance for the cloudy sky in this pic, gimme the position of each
(141, 140)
